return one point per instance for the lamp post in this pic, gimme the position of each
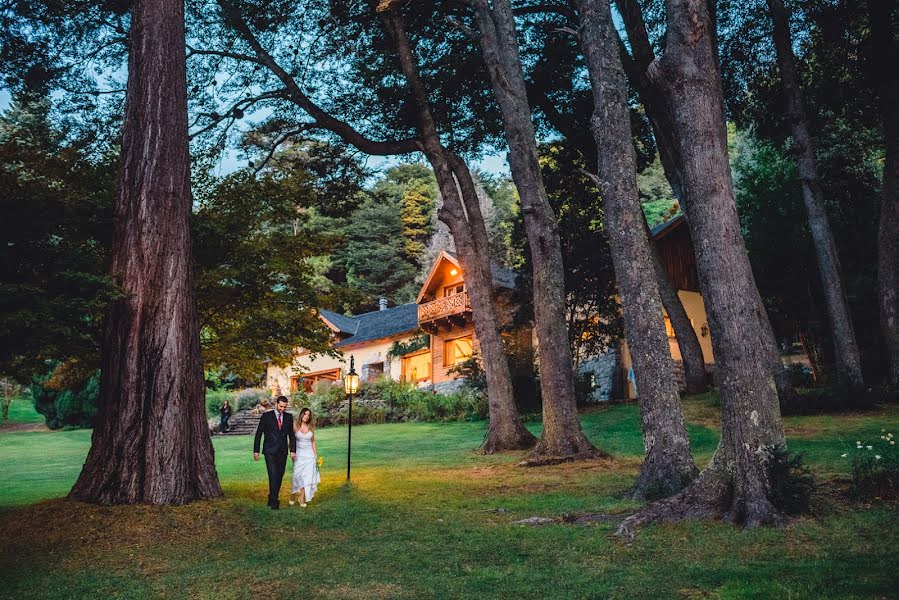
(350, 386)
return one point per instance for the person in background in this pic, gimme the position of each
(225, 415)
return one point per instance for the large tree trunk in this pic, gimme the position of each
(662, 121)
(151, 443)
(848, 359)
(462, 213)
(882, 14)
(668, 466)
(735, 483)
(562, 434)
(690, 350)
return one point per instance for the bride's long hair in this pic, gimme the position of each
(311, 423)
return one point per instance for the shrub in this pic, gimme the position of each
(67, 407)
(249, 397)
(522, 370)
(327, 395)
(874, 467)
(790, 479)
(800, 375)
(215, 397)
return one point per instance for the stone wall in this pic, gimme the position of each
(604, 369)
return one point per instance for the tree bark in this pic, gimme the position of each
(151, 443)
(848, 359)
(562, 434)
(735, 483)
(462, 213)
(662, 121)
(882, 14)
(690, 350)
(668, 465)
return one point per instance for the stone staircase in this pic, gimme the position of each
(242, 423)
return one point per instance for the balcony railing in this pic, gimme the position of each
(444, 307)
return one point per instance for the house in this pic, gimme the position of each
(675, 249)
(421, 342)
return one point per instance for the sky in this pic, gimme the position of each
(494, 163)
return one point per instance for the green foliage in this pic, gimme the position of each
(656, 196)
(590, 295)
(420, 405)
(472, 372)
(419, 342)
(791, 483)
(66, 407)
(875, 467)
(256, 299)
(374, 254)
(54, 243)
(215, 398)
(522, 370)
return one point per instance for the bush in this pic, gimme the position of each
(800, 375)
(215, 398)
(874, 467)
(386, 400)
(522, 370)
(837, 399)
(325, 395)
(249, 397)
(791, 482)
(67, 407)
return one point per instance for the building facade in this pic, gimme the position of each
(421, 342)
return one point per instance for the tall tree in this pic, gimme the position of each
(735, 483)
(884, 20)
(562, 434)
(848, 359)
(668, 465)
(151, 443)
(506, 430)
(666, 134)
(462, 213)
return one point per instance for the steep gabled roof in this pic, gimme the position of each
(502, 277)
(666, 227)
(339, 323)
(380, 324)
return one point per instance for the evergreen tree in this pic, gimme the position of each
(374, 253)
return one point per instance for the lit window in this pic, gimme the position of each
(669, 328)
(417, 367)
(457, 350)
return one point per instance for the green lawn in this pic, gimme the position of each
(21, 410)
(426, 517)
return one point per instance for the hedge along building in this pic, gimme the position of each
(421, 342)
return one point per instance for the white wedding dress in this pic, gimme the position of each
(305, 468)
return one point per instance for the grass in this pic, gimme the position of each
(21, 410)
(426, 517)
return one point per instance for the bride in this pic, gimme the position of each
(305, 469)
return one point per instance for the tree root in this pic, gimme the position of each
(537, 460)
(710, 496)
(521, 439)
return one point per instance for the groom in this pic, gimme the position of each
(277, 425)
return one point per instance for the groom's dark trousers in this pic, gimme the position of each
(278, 440)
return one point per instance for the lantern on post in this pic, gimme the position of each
(351, 387)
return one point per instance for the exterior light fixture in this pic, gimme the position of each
(350, 386)
(454, 272)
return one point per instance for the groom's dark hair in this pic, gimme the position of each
(282, 399)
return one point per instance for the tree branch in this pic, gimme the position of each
(280, 140)
(322, 119)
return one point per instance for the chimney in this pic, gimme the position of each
(382, 303)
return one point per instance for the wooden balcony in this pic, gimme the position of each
(448, 307)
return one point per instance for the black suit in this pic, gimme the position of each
(277, 442)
